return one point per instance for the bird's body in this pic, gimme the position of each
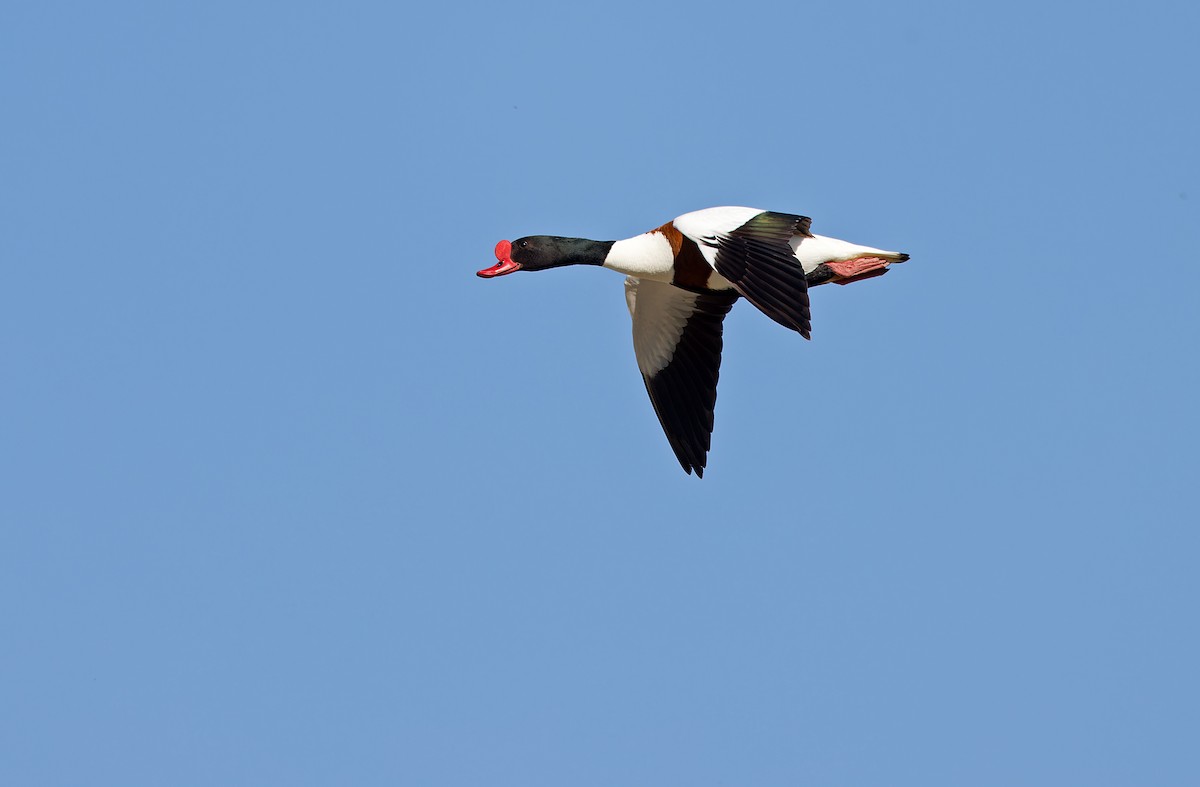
(684, 276)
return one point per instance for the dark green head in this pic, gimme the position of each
(539, 252)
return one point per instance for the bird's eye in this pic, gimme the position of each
(524, 244)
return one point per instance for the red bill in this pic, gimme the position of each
(504, 262)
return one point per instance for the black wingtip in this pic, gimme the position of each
(902, 258)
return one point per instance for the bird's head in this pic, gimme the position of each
(539, 252)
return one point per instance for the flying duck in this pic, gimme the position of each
(683, 278)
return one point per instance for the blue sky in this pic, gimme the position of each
(291, 497)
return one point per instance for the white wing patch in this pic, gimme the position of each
(660, 312)
(714, 221)
(705, 226)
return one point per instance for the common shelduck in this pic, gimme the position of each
(683, 278)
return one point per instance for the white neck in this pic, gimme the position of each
(646, 256)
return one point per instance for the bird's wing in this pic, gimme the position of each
(757, 259)
(677, 341)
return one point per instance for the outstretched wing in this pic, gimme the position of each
(752, 249)
(677, 341)
(759, 262)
